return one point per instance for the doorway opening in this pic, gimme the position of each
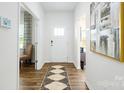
(82, 43)
(27, 37)
(27, 41)
(82, 48)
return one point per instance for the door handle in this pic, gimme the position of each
(51, 42)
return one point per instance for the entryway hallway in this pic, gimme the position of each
(31, 79)
(53, 46)
(80, 34)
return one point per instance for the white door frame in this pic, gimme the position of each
(25, 7)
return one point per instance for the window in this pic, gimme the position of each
(21, 36)
(59, 31)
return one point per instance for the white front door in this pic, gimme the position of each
(59, 46)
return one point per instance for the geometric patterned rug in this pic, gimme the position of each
(56, 79)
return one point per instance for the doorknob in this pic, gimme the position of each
(51, 42)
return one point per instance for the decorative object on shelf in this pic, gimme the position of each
(5, 22)
(105, 29)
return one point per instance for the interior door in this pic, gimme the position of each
(59, 45)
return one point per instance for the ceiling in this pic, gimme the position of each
(59, 6)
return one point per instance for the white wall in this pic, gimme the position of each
(101, 72)
(77, 41)
(8, 47)
(65, 19)
(80, 21)
(38, 12)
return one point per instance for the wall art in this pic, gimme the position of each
(104, 29)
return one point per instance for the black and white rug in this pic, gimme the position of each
(56, 79)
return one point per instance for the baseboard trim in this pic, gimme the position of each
(58, 62)
(77, 67)
(88, 85)
(39, 68)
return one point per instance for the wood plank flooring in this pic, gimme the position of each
(30, 79)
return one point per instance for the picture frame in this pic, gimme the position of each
(106, 29)
(5, 22)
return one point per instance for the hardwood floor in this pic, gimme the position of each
(30, 79)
